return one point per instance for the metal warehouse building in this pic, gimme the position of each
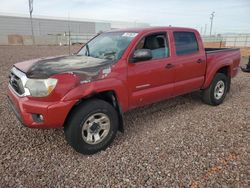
(17, 29)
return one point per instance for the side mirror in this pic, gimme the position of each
(142, 55)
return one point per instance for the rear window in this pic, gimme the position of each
(185, 43)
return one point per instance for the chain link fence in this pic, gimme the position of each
(50, 39)
(240, 40)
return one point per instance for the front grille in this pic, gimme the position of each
(16, 83)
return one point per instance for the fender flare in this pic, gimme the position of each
(211, 71)
(116, 91)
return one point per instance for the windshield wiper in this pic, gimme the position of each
(87, 47)
(109, 53)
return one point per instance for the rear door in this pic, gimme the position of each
(152, 80)
(190, 62)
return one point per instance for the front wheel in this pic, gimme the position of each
(216, 92)
(92, 126)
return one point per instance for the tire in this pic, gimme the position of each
(81, 128)
(210, 96)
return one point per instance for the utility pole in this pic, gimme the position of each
(212, 19)
(69, 33)
(31, 21)
(201, 30)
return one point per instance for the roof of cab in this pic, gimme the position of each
(152, 29)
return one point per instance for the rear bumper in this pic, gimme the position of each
(54, 113)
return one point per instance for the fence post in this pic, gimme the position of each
(235, 41)
(246, 41)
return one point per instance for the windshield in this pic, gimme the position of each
(108, 45)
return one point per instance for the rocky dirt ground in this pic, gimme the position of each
(176, 143)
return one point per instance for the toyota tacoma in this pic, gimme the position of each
(88, 92)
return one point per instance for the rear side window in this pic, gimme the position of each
(185, 43)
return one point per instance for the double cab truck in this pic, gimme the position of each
(88, 92)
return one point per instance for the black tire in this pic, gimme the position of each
(208, 95)
(73, 126)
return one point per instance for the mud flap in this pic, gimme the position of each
(247, 69)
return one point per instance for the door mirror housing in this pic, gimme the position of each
(142, 55)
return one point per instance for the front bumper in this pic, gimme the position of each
(54, 113)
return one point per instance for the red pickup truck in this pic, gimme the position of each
(88, 92)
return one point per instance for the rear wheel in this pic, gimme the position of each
(92, 126)
(216, 92)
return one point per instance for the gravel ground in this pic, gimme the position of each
(176, 143)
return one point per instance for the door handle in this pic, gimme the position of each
(169, 66)
(199, 61)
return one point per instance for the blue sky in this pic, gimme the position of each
(230, 15)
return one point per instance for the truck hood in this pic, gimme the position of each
(45, 67)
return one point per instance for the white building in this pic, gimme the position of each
(16, 29)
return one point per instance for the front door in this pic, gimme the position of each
(152, 80)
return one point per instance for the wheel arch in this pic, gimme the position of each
(108, 96)
(225, 69)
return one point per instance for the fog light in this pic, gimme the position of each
(38, 118)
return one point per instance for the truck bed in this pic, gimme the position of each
(212, 50)
(223, 56)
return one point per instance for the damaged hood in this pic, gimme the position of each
(87, 67)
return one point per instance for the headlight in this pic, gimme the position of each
(40, 87)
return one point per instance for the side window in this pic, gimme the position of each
(157, 43)
(185, 43)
